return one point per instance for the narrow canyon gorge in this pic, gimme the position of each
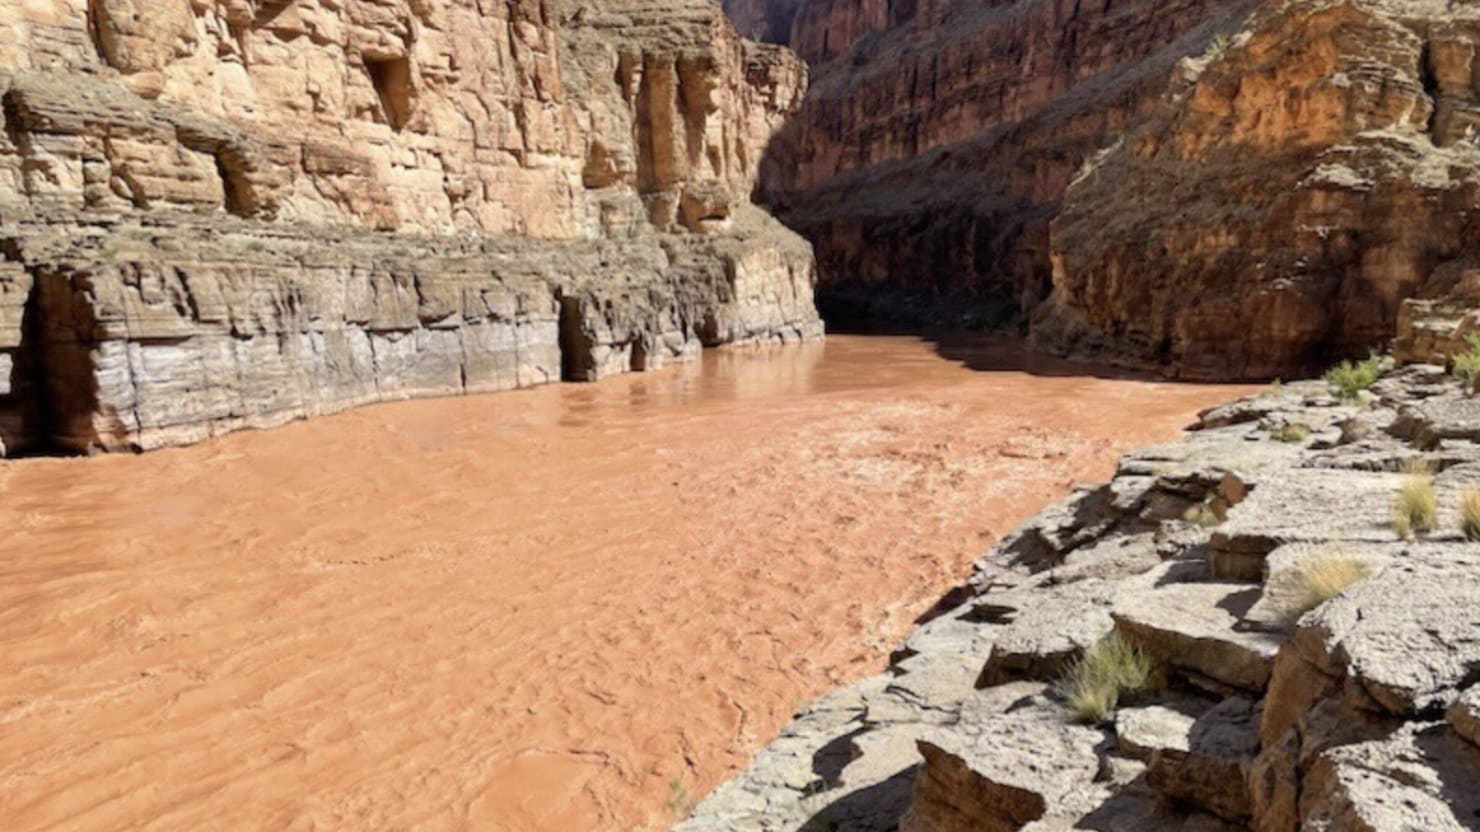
(419, 414)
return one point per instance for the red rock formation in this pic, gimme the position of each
(930, 154)
(1242, 205)
(1297, 187)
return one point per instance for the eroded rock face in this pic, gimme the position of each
(226, 214)
(438, 116)
(1219, 190)
(1352, 708)
(938, 137)
(1295, 188)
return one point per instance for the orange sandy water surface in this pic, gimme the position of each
(551, 609)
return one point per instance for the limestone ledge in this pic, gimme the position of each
(144, 334)
(1266, 713)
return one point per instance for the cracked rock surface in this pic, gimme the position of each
(1265, 711)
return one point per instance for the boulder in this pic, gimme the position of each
(1006, 771)
(1420, 779)
(1208, 765)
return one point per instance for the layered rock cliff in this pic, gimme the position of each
(937, 139)
(1296, 187)
(1306, 666)
(1243, 189)
(230, 212)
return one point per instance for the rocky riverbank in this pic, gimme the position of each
(1274, 696)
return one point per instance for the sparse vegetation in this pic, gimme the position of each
(1349, 378)
(1216, 47)
(1091, 165)
(1276, 387)
(680, 802)
(1321, 577)
(1466, 366)
(1095, 683)
(1469, 514)
(1293, 432)
(1416, 508)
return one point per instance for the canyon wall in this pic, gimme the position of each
(937, 139)
(1290, 194)
(1219, 190)
(220, 213)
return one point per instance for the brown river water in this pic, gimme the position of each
(552, 609)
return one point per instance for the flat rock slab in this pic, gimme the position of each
(1407, 663)
(1191, 627)
(1207, 455)
(1047, 631)
(1140, 731)
(1448, 417)
(1311, 505)
(1421, 779)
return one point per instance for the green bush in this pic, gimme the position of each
(1467, 363)
(1095, 682)
(1216, 47)
(1349, 378)
(1293, 432)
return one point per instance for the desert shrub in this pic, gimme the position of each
(1469, 513)
(1416, 508)
(1293, 432)
(1349, 378)
(1095, 682)
(1321, 577)
(1216, 47)
(1467, 364)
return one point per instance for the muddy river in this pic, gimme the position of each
(556, 609)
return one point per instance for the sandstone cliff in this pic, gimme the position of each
(1243, 189)
(1296, 187)
(1269, 704)
(229, 212)
(937, 139)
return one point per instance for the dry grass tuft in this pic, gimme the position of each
(1322, 577)
(1095, 682)
(1416, 508)
(1469, 514)
(1467, 363)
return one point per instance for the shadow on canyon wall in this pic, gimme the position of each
(928, 188)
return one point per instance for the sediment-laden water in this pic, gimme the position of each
(574, 607)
